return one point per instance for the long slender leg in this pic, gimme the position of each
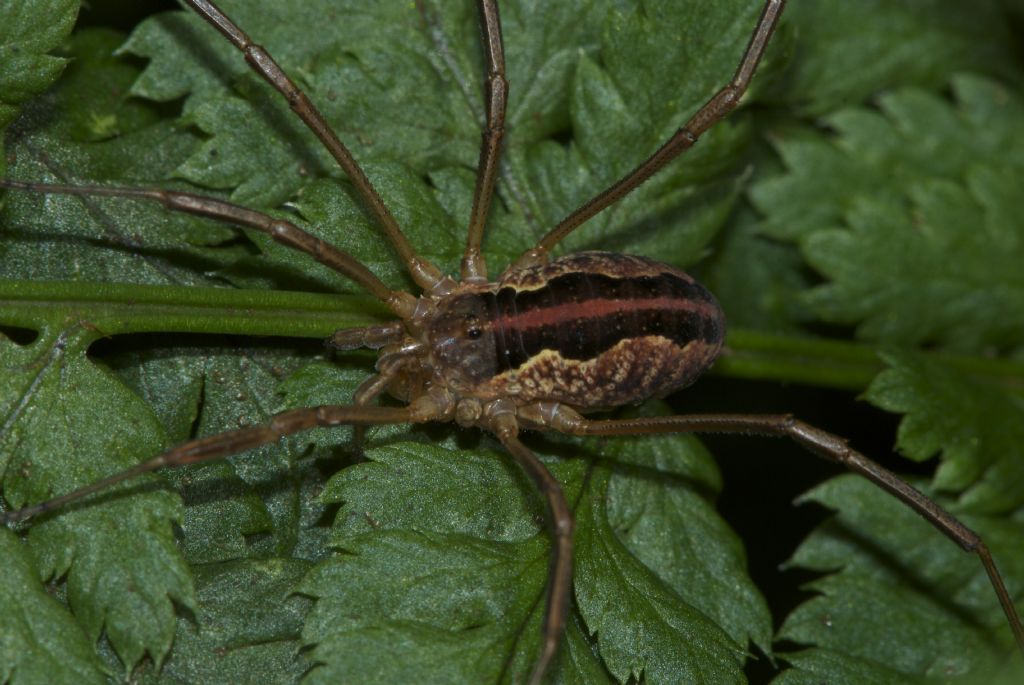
(423, 272)
(561, 521)
(720, 104)
(282, 231)
(388, 367)
(367, 391)
(372, 337)
(224, 444)
(473, 264)
(821, 443)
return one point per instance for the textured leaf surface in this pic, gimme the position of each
(121, 565)
(836, 36)
(976, 426)
(248, 625)
(40, 641)
(875, 543)
(917, 247)
(28, 33)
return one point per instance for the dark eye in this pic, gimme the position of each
(472, 327)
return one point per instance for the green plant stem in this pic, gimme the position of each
(117, 309)
(811, 361)
(837, 364)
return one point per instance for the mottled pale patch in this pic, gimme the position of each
(634, 370)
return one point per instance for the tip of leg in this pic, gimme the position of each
(540, 669)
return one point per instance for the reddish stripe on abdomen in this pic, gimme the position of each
(581, 315)
(590, 309)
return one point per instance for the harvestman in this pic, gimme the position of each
(502, 355)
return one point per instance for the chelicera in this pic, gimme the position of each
(546, 342)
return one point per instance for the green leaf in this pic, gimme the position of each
(247, 626)
(915, 249)
(889, 284)
(850, 51)
(703, 560)
(456, 521)
(422, 554)
(674, 641)
(41, 642)
(28, 32)
(435, 614)
(885, 556)
(814, 665)
(68, 423)
(883, 152)
(976, 425)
